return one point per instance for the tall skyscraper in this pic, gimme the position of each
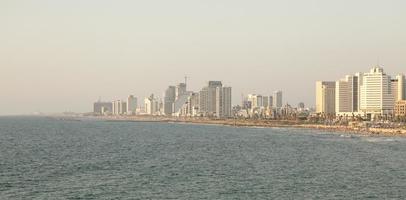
(325, 97)
(277, 99)
(223, 102)
(169, 99)
(265, 101)
(347, 94)
(131, 105)
(376, 92)
(180, 90)
(213, 100)
(398, 88)
(151, 105)
(271, 101)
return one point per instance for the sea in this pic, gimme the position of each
(62, 158)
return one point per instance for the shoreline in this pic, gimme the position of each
(388, 132)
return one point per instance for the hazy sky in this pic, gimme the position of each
(61, 55)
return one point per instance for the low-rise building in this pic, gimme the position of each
(400, 108)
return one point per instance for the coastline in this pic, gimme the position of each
(354, 130)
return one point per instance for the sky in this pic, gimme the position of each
(62, 55)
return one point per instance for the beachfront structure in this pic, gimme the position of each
(325, 97)
(376, 93)
(131, 105)
(400, 108)
(277, 99)
(347, 94)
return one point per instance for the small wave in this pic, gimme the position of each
(378, 139)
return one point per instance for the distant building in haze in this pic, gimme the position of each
(131, 105)
(214, 100)
(100, 107)
(169, 99)
(277, 99)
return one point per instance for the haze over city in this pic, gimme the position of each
(63, 55)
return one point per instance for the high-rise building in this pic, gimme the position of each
(208, 98)
(347, 94)
(192, 104)
(277, 99)
(376, 93)
(131, 105)
(180, 102)
(271, 101)
(151, 105)
(214, 100)
(180, 90)
(119, 107)
(223, 102)
(265, 101)
(256, 100)
(169, 99)
(325, 97)
(398, 87)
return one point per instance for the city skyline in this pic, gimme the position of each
(60, 55)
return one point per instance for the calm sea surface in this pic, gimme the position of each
(43, 158)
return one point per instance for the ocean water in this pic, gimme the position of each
(45, 158)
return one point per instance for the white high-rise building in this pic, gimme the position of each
(277, 99)
(131, 105)
(151, 105)
(398, 87)
(376, 93)
(325, 97)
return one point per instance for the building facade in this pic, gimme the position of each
(376, 93)
(277, 99)
(400, 108)
(132, 105)
(325, 97)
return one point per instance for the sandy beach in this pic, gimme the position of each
(359, 130)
